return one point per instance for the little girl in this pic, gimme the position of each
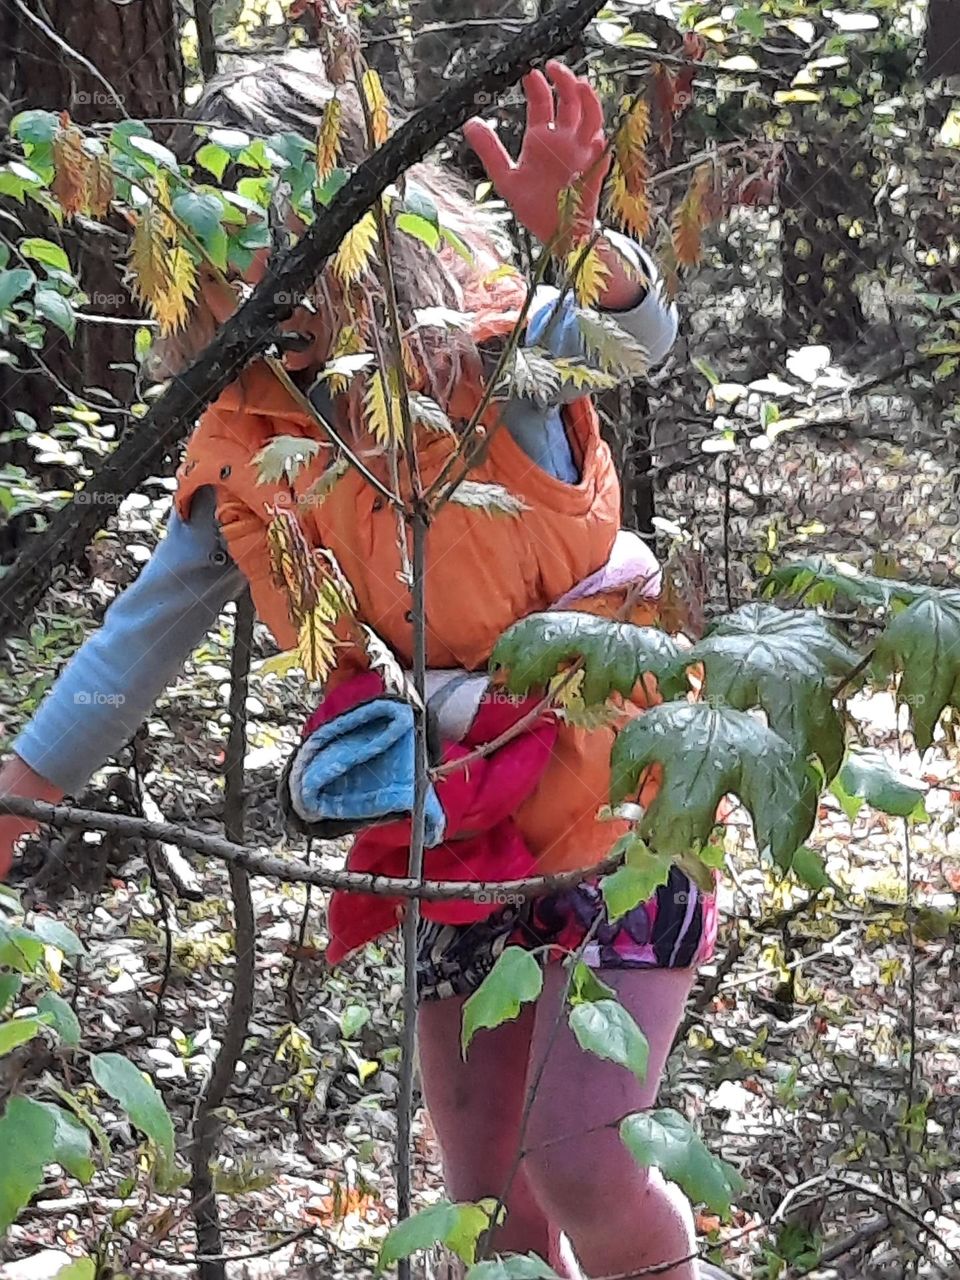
(534, 807)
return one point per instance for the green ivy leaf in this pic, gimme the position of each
(202, 213)
(26, 1141)
(457, 1226)
(514, 980)
(17, 1031)
(586, 986)
(139, 1098)
(62, 1018)
(516, 1267)
(35, 126)
(922, 644)
(752, 21)
(213, 158)
(412, 224)
(145, 147)
(708, 753)
(57, 935)
(10, 984)
(71, 1142)
(13, 284)
(606, 1029)
(54, 307)
(868, 778)
(615, 654)
(637, 880)
(808, 866)
(664, 1140)
(786, 662)
(46, 252)
(20, 949)
(78, 1269)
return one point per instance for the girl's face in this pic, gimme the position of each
(223, 300)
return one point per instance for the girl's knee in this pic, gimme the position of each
(572, 1190)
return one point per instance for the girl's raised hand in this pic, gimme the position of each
(563, 141)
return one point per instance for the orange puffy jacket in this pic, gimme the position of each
(483, 572)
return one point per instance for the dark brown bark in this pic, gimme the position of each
(136, 48)
(943, 38)
(250, 331)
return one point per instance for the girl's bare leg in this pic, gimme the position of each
(476, 1108)
(618, 1217)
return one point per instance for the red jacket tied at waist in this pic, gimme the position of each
(482, 841)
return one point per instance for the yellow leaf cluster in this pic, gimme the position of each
(356, 249)
(317, 593)
(162, 274)
(377, 107)
(589, 273)
(627, 198)
(99, 187)
(328, 138)
(382, 409)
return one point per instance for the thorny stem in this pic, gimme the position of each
(206, 1125)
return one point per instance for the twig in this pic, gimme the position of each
(55, 38)
(293, 1006)
(411, 917)
(206, 1126)
(294, 870)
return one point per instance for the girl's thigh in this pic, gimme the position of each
(580, 1096)
(475, 1105)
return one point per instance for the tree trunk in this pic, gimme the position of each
(135, 47)
(943, 38)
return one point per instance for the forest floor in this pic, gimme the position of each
(823, 1041)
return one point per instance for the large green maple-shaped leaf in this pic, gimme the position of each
(615, 654)
(707, 753)
(785, 661)
(922, 644)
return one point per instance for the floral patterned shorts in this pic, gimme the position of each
(675, 929)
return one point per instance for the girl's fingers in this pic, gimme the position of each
(486, 143)
(539, 100)
(591, 113)
(568, 97)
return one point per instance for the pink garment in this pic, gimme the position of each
(631, 561)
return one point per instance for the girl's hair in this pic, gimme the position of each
(288, 92)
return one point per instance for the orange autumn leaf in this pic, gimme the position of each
(71, 166)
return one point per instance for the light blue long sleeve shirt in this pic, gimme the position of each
(107, 690)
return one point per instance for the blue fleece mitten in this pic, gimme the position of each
(358, 769)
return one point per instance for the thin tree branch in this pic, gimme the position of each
(206, 1125)
(295, 870)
